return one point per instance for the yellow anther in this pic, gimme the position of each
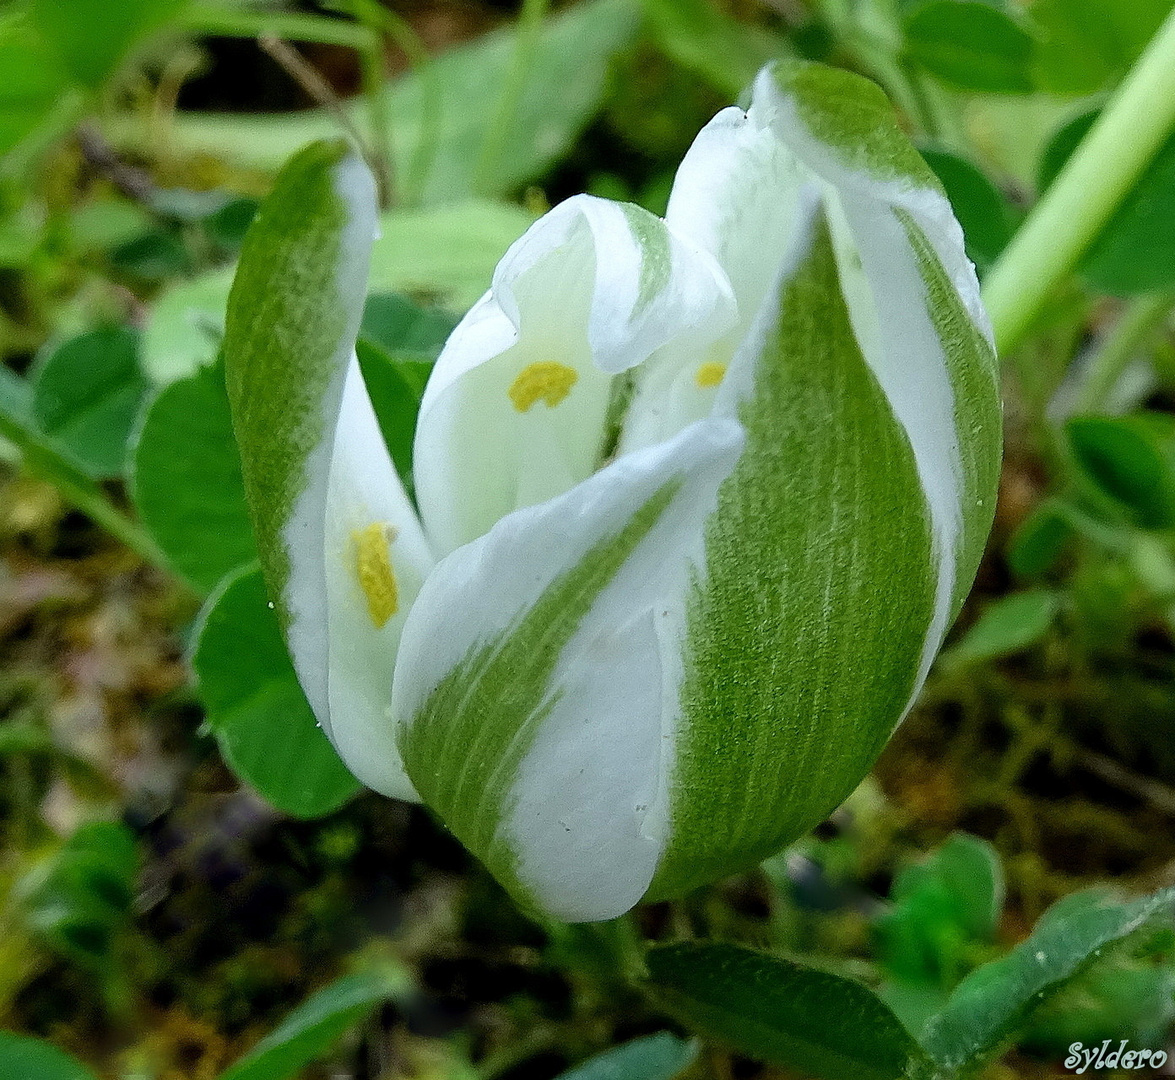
(546, 381)
(710, 374)
(373, 567)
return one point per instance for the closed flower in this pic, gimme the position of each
(698, 498)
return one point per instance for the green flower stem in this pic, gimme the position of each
(45, 461)
(530, 22)
(1089, 189)
(231, 22)
(1138, 323)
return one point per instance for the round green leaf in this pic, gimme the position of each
(187, 479)
(93, 36)
(1128, 461)
(79, 899)
(404, 329)
(32, 86)
(186, 325)
(87, 393)
(1040, 540)
(153, 257)
(655, 1057)
(228, 225)
(31, 1059)
(256, 708)
(1135, 252)
(446, 252)
(970, 45)
(1086, 45)
(986, 216)
(398, 343)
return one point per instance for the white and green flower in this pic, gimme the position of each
(698, 498)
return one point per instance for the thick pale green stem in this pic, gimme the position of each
(1138, 322)
(292, 26)
(1089, 189)
(526, 43)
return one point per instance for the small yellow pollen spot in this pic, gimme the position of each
(546, 381)
(373, 567)
(710, 374)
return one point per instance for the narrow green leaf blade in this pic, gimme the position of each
(655, 1057)
(256, 709)
(315, 1025)
(439, 115)
(995, 1001)
(1010, 624)
(778, 1011)
(725, 52)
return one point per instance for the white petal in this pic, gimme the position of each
(342, 549)
(736, 196)
(538, 670)
(368, 598)
(879, 211)
(303, 594)
(515, 411)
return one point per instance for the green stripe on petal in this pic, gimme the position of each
(656, 254)
(466, 742)
(974, 374)
(916, 308)
(805, 636)
(854, 117)
(283, 328)
(342, 550)
(536, 671)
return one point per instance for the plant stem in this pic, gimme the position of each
(1139, 321)
(530, 21)
(1089, 189)
(48, 463)
(231, 22)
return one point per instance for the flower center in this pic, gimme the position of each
(546, 381)
(373, 567)
(710, 374)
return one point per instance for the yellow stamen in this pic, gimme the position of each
(710, 374)
(546, 381)
(373, 567)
